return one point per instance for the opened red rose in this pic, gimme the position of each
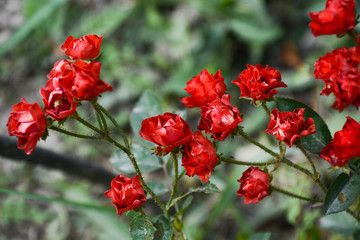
(58, 104)
(258, 82)
(337, 18)
(289, 127)
(81, 80)
(28, 123)
(168, 130)
(219, 118)
(199, 157)
(87, 47)
(345, 144)
(204, 88)
(254, 185)
(126, 193)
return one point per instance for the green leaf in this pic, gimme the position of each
(186, 204)
(341, 222)
(158, 188)
(164, 227)
(146, 161)
(148, 106)
(313, 143)
(342, 193)
(261, 236)
(141, 228)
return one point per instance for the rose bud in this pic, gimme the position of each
(258, 82)
(168, 130)
(289, 127)
(219, 118)
(87, 47)
(28, 123)
(199, 157)
(344, 145)
(204, 88)
(126, 193)
(254, 185)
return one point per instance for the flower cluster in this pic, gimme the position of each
(69, 81)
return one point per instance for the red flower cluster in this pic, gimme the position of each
(199, 157)
(337, 18)
(219, 118)
(258, 82)
(254, 185)
(339, 71)
(289, 127)
(126, 193)
(344, 145)
(28, 123)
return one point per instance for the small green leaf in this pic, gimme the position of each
(141, 228)
(261, 236)
(342, 193)
(314, 143)
(186, 204)
(146, 161)
(206, 188)
(164, 227)
(148, 106)
(158, 188)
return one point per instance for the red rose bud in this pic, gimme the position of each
(204, 88)
(344, 145)
(126, 193)
(199, 157)
(289, 127)
(168, 130)
(219, 118)
(80, 80)
(259, 82)
(254, 185)
(87, 47)
(28, 123)
(338, 17)
(339, 71)
(58, 104)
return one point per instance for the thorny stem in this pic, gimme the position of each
(284, 160)
(229, 160)
(294, 195)
(264, 106)
(61, 130)
(176, 178)
(99, 112)
(353, 35)
(299, 146)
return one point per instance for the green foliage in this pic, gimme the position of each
(141, 228)
(340, 222)
(342, 193)
(314, 143)
(164, 228)
(261, 236)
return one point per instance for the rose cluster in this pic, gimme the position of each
(70, 81)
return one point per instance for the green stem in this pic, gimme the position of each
(264, 106)
(89, 125)
(353, 35)
(294, 195)
(229, 160)
(60, 130)
(99, 112)
(176, 178)
(299, 146)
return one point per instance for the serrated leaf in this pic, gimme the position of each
(141, 228)
(313, 143)
(158, 188)
(164, 227)
(342, 193)
(146, 161)
(148, 106)
(261, 236)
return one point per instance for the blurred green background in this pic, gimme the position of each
(158, 46)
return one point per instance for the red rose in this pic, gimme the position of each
(254, 185)
(87, 47)
(199, 157)
(58, 104)
(204, 88)
(126, 193)
(168, 130)
(81, 80)
(339, 71)
(290, 126)
(345, 144)
(259, 82)
(338, 17)
(219, 118)
(28, 123)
